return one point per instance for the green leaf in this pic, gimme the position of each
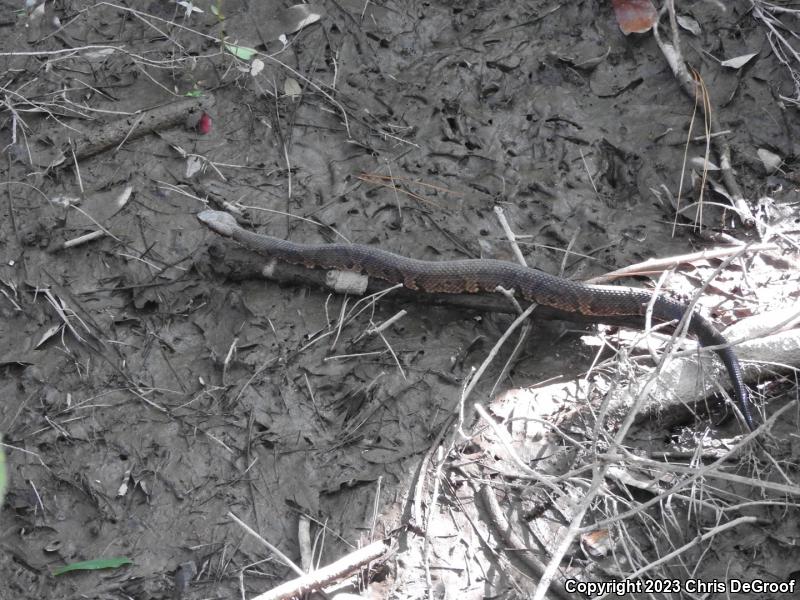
(242, 52)
(194, 93)
(94, 564)
(3, 478)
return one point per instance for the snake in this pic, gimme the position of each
(615, 305)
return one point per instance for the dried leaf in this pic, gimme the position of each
(122, 199)
(700, 163)
(596, 543)
(242, 52)
(689, 24)
(301, 15)
(719, 189)
(51, 331)
(97, 55)
(635, 16)
(770, 160)
(291, 88)
(188, 7)
(739, 61)
(194, 164)
(256, 67)
(123, 487)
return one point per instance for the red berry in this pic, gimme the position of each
(204, 124)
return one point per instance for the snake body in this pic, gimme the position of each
(596, 303)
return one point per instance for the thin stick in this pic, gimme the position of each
(553, 565)
(656, 265)
(495, 349)
(599, 470)
(672, 53)
(387, 323)
(83, 239)
(678, 551)
(285, 559)
(327, 575)
(512, 238)
(304, 541)
(503, 438)
(694, 474)
(780, 488)
(520, 546)
(526, 329)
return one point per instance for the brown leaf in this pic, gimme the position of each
(635, 16)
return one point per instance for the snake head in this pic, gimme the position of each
(219, 222)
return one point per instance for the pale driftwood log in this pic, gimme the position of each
(687, 380)
(683, 383)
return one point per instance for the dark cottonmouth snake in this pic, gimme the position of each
(565, 298)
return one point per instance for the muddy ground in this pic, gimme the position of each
(147, 392)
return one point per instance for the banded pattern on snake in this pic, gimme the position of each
(600, 304)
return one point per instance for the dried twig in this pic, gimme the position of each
(147, 121)
(786, 54)
(520, 549)
(674, 56)
(657, 265)
(327, 575)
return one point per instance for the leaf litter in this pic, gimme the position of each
(214, 393)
